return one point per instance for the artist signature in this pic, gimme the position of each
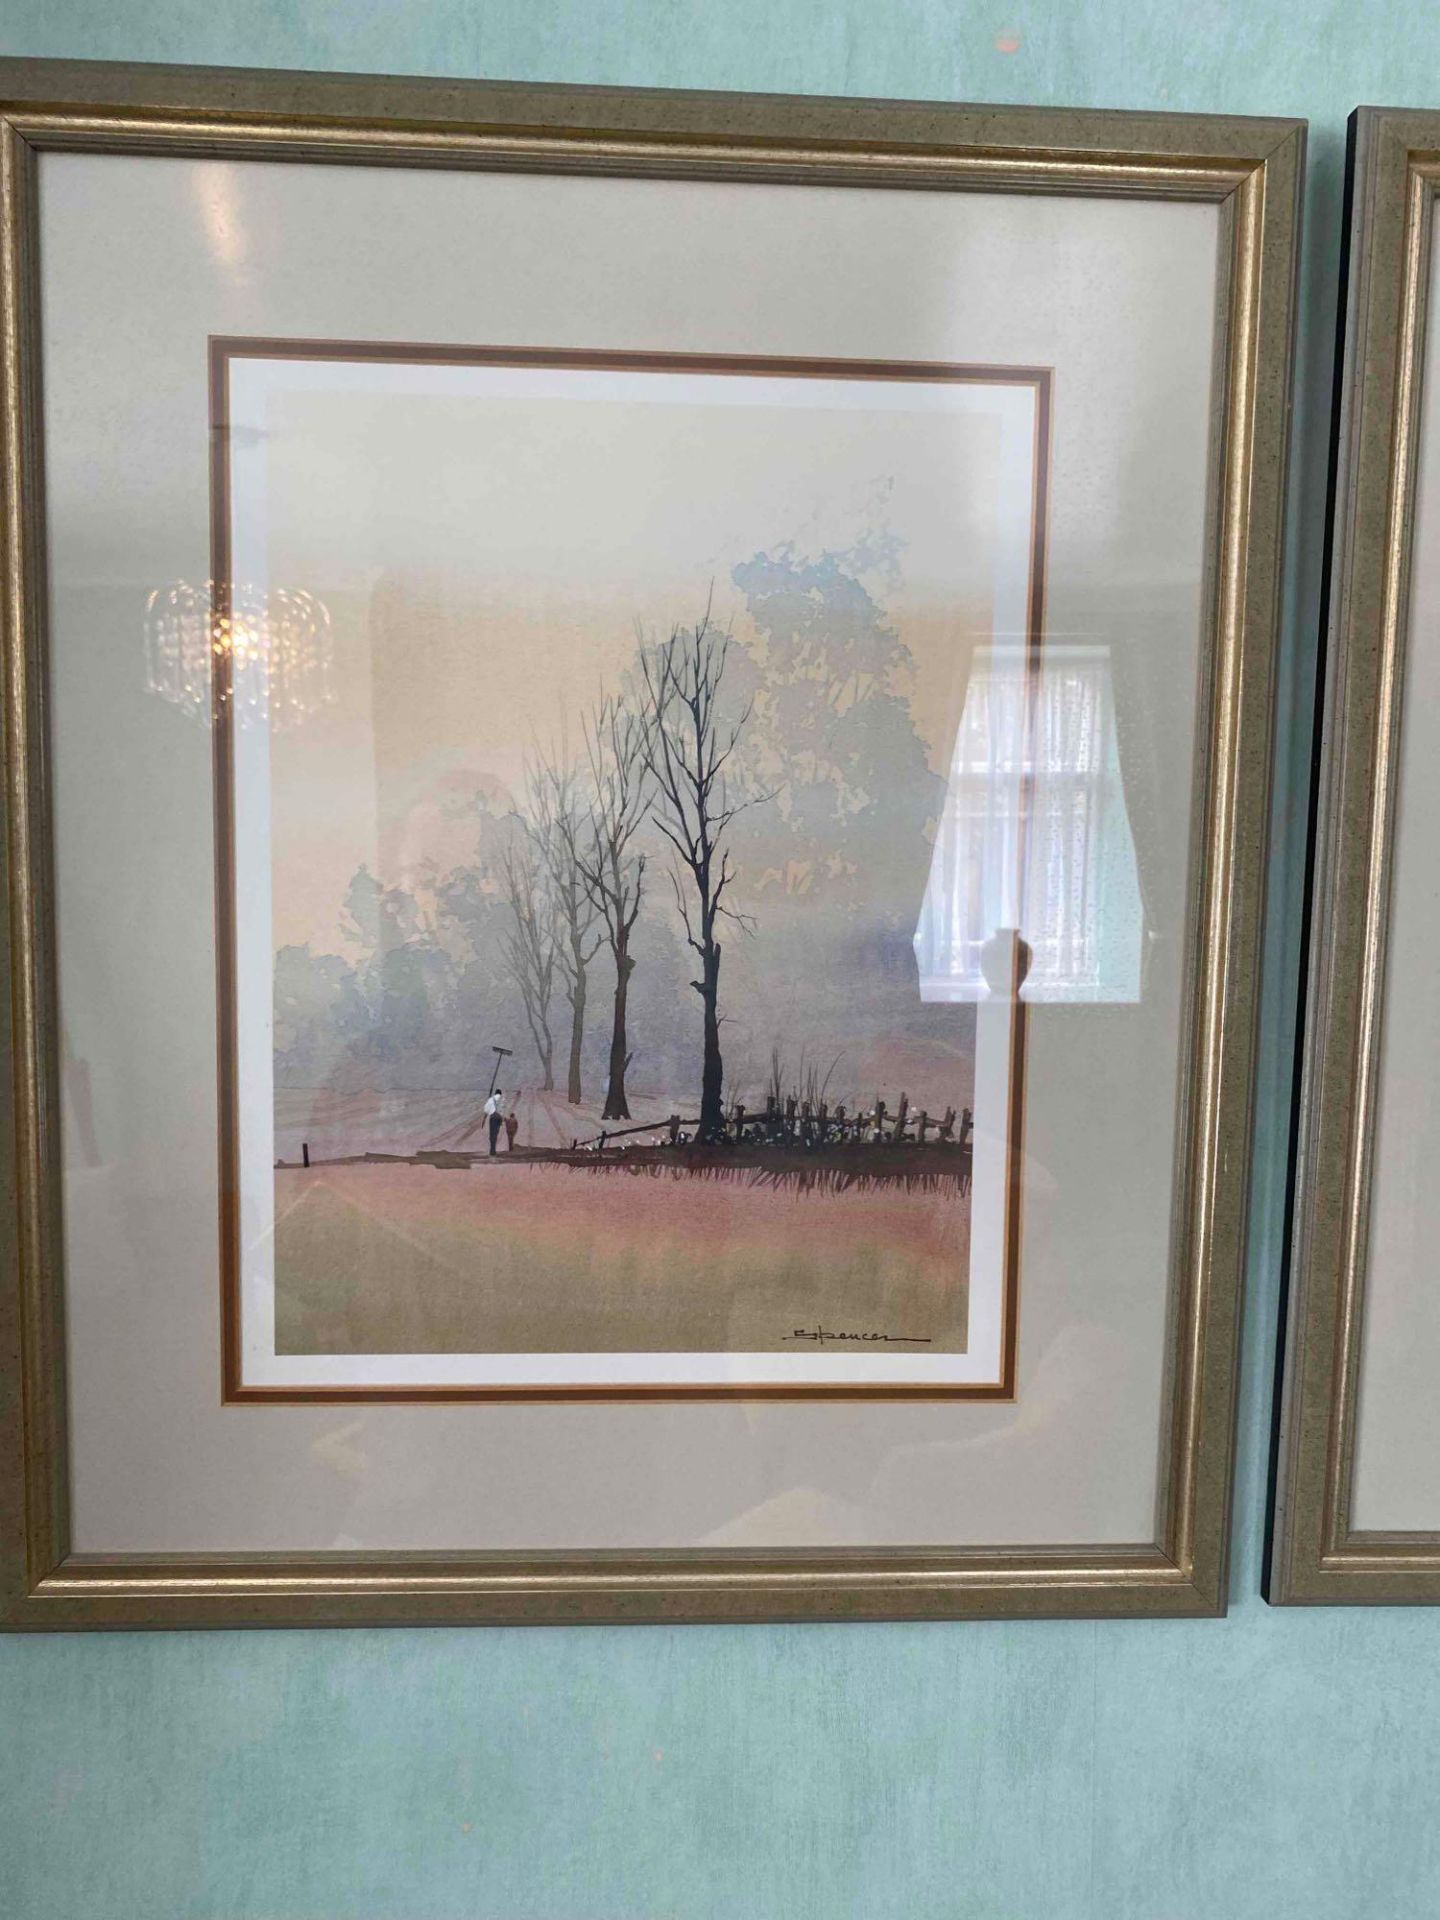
(821, 1335)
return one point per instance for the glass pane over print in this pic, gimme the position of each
(365, 671)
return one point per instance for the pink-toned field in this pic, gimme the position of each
(391, 1258)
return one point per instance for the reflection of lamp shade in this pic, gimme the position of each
(272, 644)
(1034, 834)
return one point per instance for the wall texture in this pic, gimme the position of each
(1271, 1765)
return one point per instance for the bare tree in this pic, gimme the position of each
(530, 946)
(560, 820)
(617, 745)
(691, 741)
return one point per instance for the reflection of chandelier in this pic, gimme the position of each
(266, 651)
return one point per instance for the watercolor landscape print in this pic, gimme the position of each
(589, 1031)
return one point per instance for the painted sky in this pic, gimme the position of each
(487, 558)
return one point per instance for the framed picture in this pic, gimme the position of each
(1357, 1490)
(633, 900)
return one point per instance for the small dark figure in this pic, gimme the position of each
(512, 1127)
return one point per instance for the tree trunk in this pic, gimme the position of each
(712, 1073)
(617, 1107)
(577, 1035)
(545, 1047)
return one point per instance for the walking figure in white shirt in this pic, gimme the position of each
(494, 1113)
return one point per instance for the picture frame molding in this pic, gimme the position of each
(1251, 169)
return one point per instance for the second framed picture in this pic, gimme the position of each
(634, 888)
(1357, 1495)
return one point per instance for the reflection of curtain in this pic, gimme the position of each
(1158, 802)
(1062, 854)
(1035, 835)
(974, 870)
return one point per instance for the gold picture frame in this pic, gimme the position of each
(1251, 170)
(1316, 1556)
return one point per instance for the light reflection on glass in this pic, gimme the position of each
(266, 652)
(1035, 835)
(217, 198)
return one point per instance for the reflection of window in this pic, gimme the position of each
(1034, 834)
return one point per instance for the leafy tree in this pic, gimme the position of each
(319, 1012)
(833, 732)
(834, 871)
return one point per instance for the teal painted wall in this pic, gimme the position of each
(1271, 1765)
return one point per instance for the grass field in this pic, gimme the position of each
(390, 1258)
